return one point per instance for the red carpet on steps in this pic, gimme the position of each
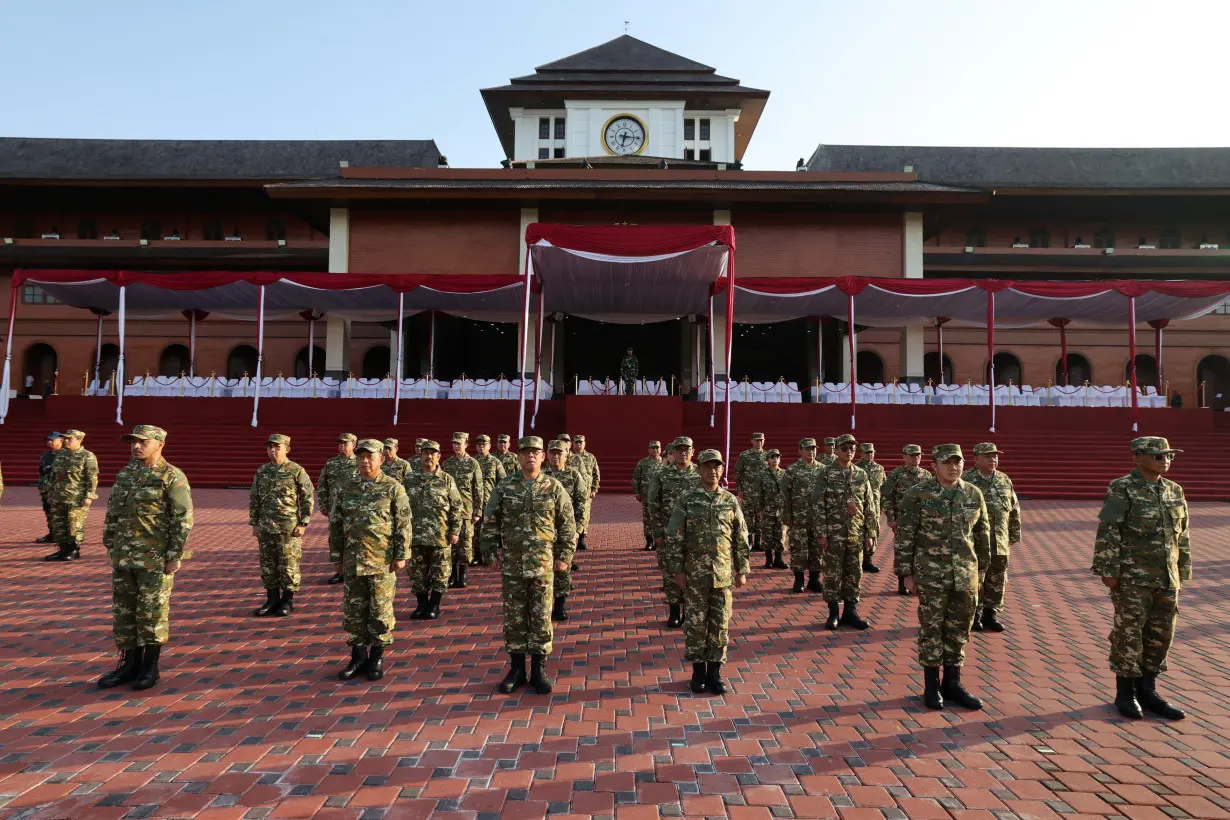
(1051, 453)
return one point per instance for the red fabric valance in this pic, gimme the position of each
(204, 280)
(630, 240)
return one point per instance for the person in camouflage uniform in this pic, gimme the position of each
(438, 512)
(279, 511)
(830, 451)
(805, 555)
(145, 531)
(468, 474)
(768, 497)
(508, 459)
(493, 473)
(573, 482)
(74, 486)
(1005, 512)
(332, 476)
(584, 463)
(45, 462)
(640, 486)
(529, 534)
(943, 542)
(666, 487)
(369, 541)
(707, 551)
(875, 474)
(895, 486)
(842, 508)
(1143, 554)
(416, 462)
(629, 368)
(750, 464)
(394, 467)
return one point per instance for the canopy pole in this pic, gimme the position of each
(939, 346)
(853, 357)
(1132, 362)
(551, 366)
(1063, 350)
(712, 369)
(525, 342)
(991, 354)
(119, 367)
(98, 351)
(260, 353)
(191, 343)
(820, 349)
(537, 362)
(1157, 354)
(401, 323)
(311, 344)
(431, 346)
(730, 337)
(6, 380)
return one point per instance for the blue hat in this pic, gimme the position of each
(54, 434)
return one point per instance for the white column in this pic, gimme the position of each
(845, 356)
(337, 330)
(911, 346)
(912, 245)
(528, 216)
(720, 217)
(393, 355)
(910, 349)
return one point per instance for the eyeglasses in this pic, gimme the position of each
(1163, 456)
(847, 448)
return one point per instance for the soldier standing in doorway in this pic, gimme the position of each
(629, 369)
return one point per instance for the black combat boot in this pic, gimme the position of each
(272, 597)
(768, 560)
(480, 559)
(1125, 698)
(813, 582)
(433, 605)
(574, 567)
(75, 555)
(834, 616)
(46, 539)
(420, 612)
(358, 661)
(676, 618)
(375, 662)
(581, 545)
(452, 576)
(932, 698)
(977, 627)
(63, 552)
(538, 675)
(461, 577)
(148, 675)
(286, 605)
(559, 611)
(474, 561)
(778, 563)
(849, 616)
(901, 590)
(798, 581)
(952, 689)
(126, 671)
(697, 684)
(990, 622)
(1150, 700)
(516, 674)
(713, 679)
(867, 565)
(648, 544)
(337, 578)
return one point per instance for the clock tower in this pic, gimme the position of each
(625, 102)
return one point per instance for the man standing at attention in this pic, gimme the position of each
(748, 466)
(54, 442)
(149, 516)
(74, 486)
(493, 473)
(574, 485)
(797, 516)
(508, 459)
(332, 475)
(894, 489)
(279, 510)
(830, 451)
(394, 467)
(875, 474)
(943, 542)
(469, 477)
(1143, 554)
(584, 463)
(768, 497)
(842, 507)
(640, 486)
(437, 511)
(629, 368)
(1005, 512)
(666, 487)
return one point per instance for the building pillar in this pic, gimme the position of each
(844, 336)
(910, 349)
(337, 329)
(912, 344)
(528, 216)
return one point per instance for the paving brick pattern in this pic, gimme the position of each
(250, 722)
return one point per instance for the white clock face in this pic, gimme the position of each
(625, 135)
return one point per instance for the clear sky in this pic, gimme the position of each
(901, 72)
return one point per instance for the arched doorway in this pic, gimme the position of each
(932, 371)
(1214, 373)
(870, 367)
(174, 360)
(1146, 371)
(1079, 371)
(376, 362)
(107, 363)
(41, 365)
(241, 360)
(302, 371)
(1007, 368)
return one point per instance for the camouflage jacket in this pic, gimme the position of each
(587, 465)
(842, 504)
(895, 486)
(943, 536)
(280, 499)
(876, 475)
(574, 485)
(767, 495)
(629, 367)
(369, 525)
(45, 464)
(396, 469)
(1003, 507)
(469, 477)
(493, 473)
(436, 508)
(826, 460)
(529, 524)
(332, 476)
(511, 465)
(646, 467)
(1144, 535)
(750, 464)
(74, 478)
(666, 485)
(706, 539)
(149, 516)
(800, 480)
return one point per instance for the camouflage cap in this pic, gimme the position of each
(757, 436)
(529, 443)
(986, 448)
(461, 436)
(911, 450)
(709, 455)
(578, 437)
(656, 443)
(418, 442)
(843, 440)
(54, 434)
(829, 441)
(774, 453)
(391, 442)
(349, 438)
(867, 447)
(681, 443)
(943, 452)
(564, 437)
(429, 446)
(503, 437)
(73, 434)
(142, 432)
(482, 438)
(1152, 446)
(278, 438)
(806, 443)
(370, 445)
(558, 445)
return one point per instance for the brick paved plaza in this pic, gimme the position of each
(249, 720)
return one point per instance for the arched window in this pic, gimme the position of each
(275, 230)
(1079, 370)
(174, 360)
(107, 363)
(41, 365)
(212, 231)
(931, 368)
(376, 362)
(1169, 239)
(151, 229)
(870, 367)
(1039, 238)
(975, 238)
(302, 371)
(1007, 368)
(1146, 371)
(241, 360)
(87, 229)
(1213, 374)
(1104, 238)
